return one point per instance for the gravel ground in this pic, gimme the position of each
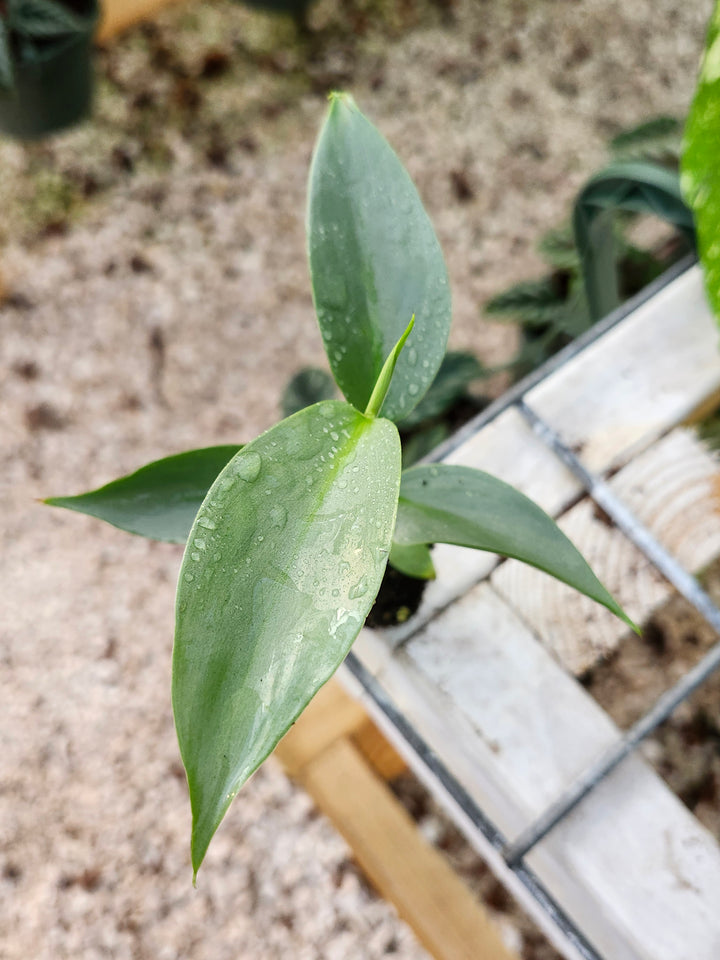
(158, 299)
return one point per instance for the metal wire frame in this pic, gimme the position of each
(513, 853)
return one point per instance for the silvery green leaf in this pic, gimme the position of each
(374, 262)
(281, 568)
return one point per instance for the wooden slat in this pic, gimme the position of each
(673, 489)
(452, 737)
(332, 714)
(379, 752)
(400, 863)
(118, 15)
(642, 378)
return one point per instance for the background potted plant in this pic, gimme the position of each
(45, 68)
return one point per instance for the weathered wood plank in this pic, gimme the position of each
(330, 715)
(643, 377)
(451, 735)
(674, 490)
(406, 870)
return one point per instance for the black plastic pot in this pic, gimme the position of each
(295, 7)
(54, 91)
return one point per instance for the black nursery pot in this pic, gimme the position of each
(54, 91)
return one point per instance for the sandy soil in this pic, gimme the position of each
(158, 300)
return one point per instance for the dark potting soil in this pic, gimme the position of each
(398, 598)
(83, 8)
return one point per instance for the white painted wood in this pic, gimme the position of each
(633, 867)
(674, 489)
(404, 677)
(643, 377)
(634, 861)
(516, 698)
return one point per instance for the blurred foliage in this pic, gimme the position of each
(310, 385)
(553, 310)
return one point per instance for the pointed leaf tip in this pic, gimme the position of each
(443, 503)
(374, 261)
(159, 501)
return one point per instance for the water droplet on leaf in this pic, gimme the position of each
(248, 467)
(278, 516)
(359, 590)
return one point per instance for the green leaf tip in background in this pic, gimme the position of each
(374, 262)
(700, 170)
(158, 501)
(451, 504)
(412, 559)
(281, 568)
(457, 371)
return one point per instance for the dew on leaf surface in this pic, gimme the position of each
(278, 516)
(358, 590)
(248, 467)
